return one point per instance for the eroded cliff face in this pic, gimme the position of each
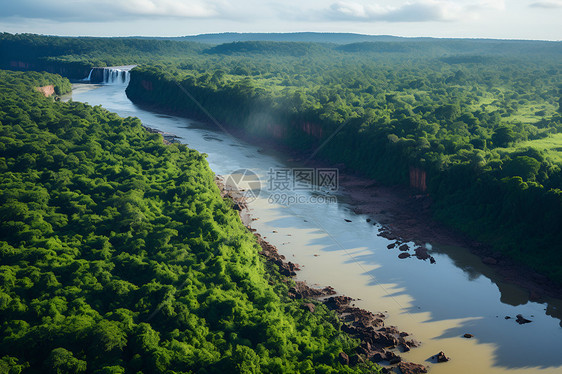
(20, 64)
(46, 90)
(418, 178)
(72, 70)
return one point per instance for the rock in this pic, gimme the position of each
(521, 320)
(404, 247)
(507, 317)
(384, 339)
(337, 302)
(364, 351)
(347, 220)
(441, 357)
(386, 234)
(309, 307)
(431, 259)
(368, 220)
(343, 358)
(390, 330)
(377, 322)
(302, 291)
(379, 356)
(490, 261)
(421, 253)
(391, 245)
(403, 255)
(411, 368)
(356, 359)
(392, 358)
(413, 343)
(329, 290)
(468, 336)
(405, 347)
(46, 90)
(362, 318)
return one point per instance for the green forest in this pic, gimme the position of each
(118, 254)
(482, 118)
(483, 126)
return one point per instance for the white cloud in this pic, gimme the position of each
(109, 10)
(170, 8)
(412, 11)
(549, 4)
(442, 18)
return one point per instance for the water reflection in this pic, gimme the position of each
(459, 290)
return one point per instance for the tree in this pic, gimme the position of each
(448, 112)
(503, 136)
(108, 336)
(61, 361)
(523, 166)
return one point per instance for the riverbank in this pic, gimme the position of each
(379, 343)
(438, 303)
(407, 217)
(404, 212)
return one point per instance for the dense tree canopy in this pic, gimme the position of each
(459, 110)
(118, 254)
(460, 120)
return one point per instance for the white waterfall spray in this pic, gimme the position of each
(116, 75)
(89, 78)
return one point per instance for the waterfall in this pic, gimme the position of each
(89, 78)
(116, 75)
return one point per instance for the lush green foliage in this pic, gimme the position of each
(118, 254)
(457, 109)
(21, 81)
(459, 119)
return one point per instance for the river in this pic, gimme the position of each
(437, 303)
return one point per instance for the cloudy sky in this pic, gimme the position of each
(512, 19)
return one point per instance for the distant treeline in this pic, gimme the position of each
(74, 56)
